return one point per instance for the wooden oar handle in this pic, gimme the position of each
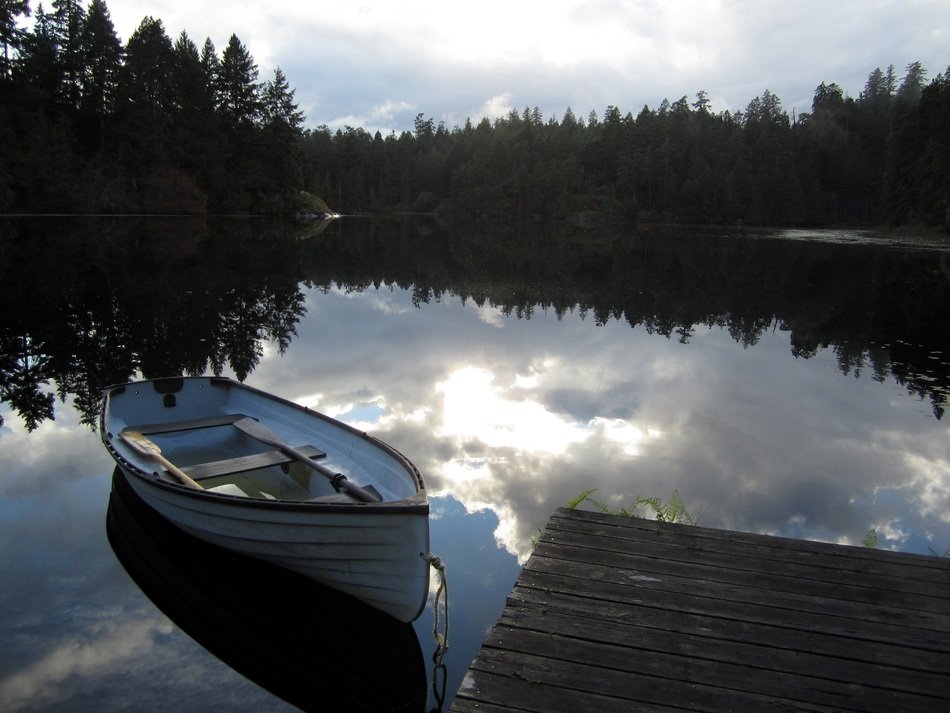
(257, 430)
(178, 472)
(142, 444)
(338, 480)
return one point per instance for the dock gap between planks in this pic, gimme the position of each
(613, 613)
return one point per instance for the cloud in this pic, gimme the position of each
(450, 60)
(520, 416)
(495, 107)
(43, 682)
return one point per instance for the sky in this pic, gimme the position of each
(376, 64)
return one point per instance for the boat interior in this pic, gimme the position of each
(223, 460)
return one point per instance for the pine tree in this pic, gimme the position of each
(37, 68)
(237, 86)
(279, 112)
(913, 84)
(147, 72)
(146, 97)
(67, 23)
(280, 127)
(10, 35)
(196, 139)
(904, 150)
(101, 53)
(210, 67)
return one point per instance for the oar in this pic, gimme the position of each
(262, 433)
(150, 449)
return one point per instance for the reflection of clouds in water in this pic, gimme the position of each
(931, 481)
(110, 646)
(114, 648)
(627, 435)
(495, 430)
(522, 419)
(477, 409)
(58, 449)
(491, 316)
(379, 302)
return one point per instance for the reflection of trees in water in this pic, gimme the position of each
(882, 311)
(102, 299)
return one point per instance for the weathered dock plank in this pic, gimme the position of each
(619, 614)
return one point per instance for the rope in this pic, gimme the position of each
(441, 639)
(439, 673)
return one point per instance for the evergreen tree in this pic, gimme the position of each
(279, 112)
(36, 71)
(237, 86)
(702, 102)
(10, 34)
(932, 176)
(67, 24)
(147, 75)
(912, 85)
(196, 138)
(101, 53)
(879, 88)
(145, 102)
(168, 126)
(281, 122)
(904, 149)
(191, 91)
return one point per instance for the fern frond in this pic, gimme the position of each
(575, 501)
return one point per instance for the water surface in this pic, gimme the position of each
(787, 383)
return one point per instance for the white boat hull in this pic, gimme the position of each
(374, 551)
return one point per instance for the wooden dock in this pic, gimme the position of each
(623, 614)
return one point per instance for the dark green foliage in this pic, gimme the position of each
(157, 126)
(11, 36)
(917, 180)
(238, 102)
(99, 298)
(102, 55)
(673, 511)
(87, 125)
(875, 160)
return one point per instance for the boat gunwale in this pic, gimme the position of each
(416, 504)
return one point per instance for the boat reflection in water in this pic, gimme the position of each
(314, 647)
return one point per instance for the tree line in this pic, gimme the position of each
(90, 125)
(879, 159)
(154, 126)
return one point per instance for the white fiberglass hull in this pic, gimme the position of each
(374, 551)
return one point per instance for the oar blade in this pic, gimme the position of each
(150, 449)
(141, 443)
(258, 431)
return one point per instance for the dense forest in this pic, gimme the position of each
(155, 126)
(880, 159)
(163, 126)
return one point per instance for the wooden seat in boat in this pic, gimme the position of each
(226, 466)
(230, 466)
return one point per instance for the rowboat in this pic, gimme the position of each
(312, 646)
(260, 475)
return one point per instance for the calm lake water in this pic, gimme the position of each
(785, 382)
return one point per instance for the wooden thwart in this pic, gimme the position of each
(226, 466)
(192, 425)
(620, 614)
(241, 464)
